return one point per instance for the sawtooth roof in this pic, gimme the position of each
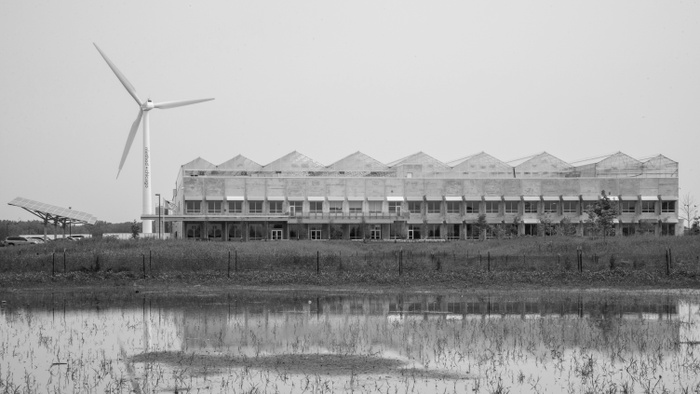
(240, 163)
(357, 161)
(293, 162)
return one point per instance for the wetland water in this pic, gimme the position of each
(301, 342)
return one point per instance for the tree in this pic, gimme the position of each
(135, 229)
(602, 213)
(566, 228)
(689, 210)
(695, 227)
(546, 226)
(482, 226)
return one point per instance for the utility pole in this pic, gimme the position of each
(160, 209)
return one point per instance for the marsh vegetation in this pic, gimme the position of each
(666, 261)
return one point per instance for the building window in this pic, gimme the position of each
(530, 207)
(375, 232)
(434, 231)
(414, 231)
(255, 207)
(275, 206)
(550, 206)
(355, 206)
(235, 207)
(193, 206)
(433, 206)
(452, 206)
(668, 228)
(569, 207)
(375, 206)
(296, 208)
(628, 206)
(215, 231)
(414, 206)
(213, 206)
(335, 207)
(193, 230)
(471, 206)
(511, 206)
(491, 206)
(395, 207)
(648, 206)
(668, 206)
(315, 232)
(234, 231)
(316, 206)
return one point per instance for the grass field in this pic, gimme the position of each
(640, 260)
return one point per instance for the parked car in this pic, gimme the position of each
(15, 241)
(39, 240)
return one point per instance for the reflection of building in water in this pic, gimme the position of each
(254, 327)
(689, 329)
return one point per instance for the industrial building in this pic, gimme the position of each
(418, 197)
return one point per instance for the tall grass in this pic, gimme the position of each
(555, 254)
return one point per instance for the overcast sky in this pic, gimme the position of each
(512, 78)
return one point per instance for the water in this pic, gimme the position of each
(300, 342)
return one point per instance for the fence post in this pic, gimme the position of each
(150, 266)
(579, 259)
(668, 263)
(53, 264)
(400, 260)
(64, 261)
(143, 256)
(488, 260)
(228, 266)
(235, 261)
(318, 266)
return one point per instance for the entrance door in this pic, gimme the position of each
(375, 233)
(315, 234)
(276, 234)
(413, 232)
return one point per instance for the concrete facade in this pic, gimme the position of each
(418, 197)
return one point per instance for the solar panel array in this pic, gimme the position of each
(53, 210)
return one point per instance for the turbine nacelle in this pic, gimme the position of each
(148, 105)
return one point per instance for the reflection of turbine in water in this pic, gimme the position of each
(146, 327)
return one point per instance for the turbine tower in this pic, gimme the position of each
(144, 108)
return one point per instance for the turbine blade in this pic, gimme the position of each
(129, 87)
(130, 140)
(173, 104)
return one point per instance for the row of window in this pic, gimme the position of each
(418, 207)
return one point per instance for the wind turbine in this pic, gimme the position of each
(144, 108)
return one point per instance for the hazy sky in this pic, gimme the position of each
(577, 79)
